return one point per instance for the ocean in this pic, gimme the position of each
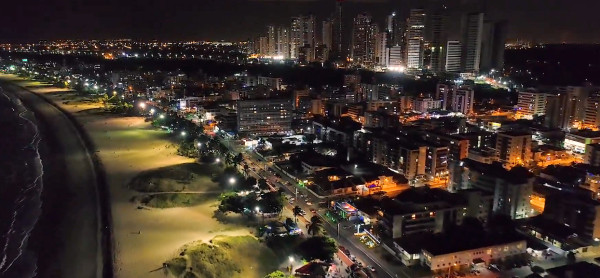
(21, 186)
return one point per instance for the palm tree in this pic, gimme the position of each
(315, 226)
(297, 211)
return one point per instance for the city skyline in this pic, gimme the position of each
(556, 22)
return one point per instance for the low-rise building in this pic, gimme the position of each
(578, 140)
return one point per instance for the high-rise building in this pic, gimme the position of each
(338, 42)
(472, 31)
(437, 41)
(327, 34)
(513, 148)
(264, 116)
(283, 43)
(271, 41)
(302, 35)
(591, 117)
(453, 56)
(443, 92)
(394, 32)
(395, 57)
(415, 34)
(263, 46)
(381, 49)
(492, 45)
(531, 103)
(363, 39)
(462, 100)
(555, 113)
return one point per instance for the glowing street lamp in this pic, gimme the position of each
(152, 111)
(199, 144)
(232, 181)
(217, 160)
(114, 93)
(162, 116)
(183, 133)
(143, 105)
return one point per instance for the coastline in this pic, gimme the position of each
(67, 235)
(126, 147)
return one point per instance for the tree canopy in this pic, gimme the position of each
(317, 248)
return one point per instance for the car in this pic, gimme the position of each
(371, 268)
(313, 210)
(309, 203)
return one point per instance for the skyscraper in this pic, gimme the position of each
(363, 39)
(472, 30)
(415, 33)
(381, 49)
(338, 44)
(271, 41)
(327, 34)
(453, 56)
(437, 40)
(462, 100)
(263, 46)
(392, 27)
(283, 42)
(302, 35)
(492, 45)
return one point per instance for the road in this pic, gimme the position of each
(69, 239)
(346, 238)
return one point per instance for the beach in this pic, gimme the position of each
(128, 146)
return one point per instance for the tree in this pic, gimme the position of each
(271, 202)
(231, 202)
(236, 160)
(262, 184)
(249, 183)
(289, 222)
(278, 274)
(317, 248)
(296, 211)
(315, 226)
(246, 168)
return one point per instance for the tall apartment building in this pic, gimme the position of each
(511, 188)
(565, 109)
(327, 33)
(271, 41)
(453, 56)
(392, 27)
(364, 34)
(437, 41)
(472, 31)
(302, 35)
(263, 46)
(492, 45)
(399, 154)
(264, 116)
(513, 148)
(283, 43)
(531, 103)
(381, 49)
(415, 34)
(591, 117)
(462, 100)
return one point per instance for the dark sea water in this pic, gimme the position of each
(20, 186)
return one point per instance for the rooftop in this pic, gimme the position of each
(580, 270)
(420, 199)
(587, 133)
(516, 175)
(447, 243)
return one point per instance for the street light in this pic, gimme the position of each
(232, 181)
(217, 160)
(152, 111)
(199, 144)
(162, 116)
(142, 105)
(183, 133)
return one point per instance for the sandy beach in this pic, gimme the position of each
(127, 146)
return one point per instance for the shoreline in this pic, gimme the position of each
(103, 195)
(127, 147)
(67, 238)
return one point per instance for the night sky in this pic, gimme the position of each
(573, 21)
